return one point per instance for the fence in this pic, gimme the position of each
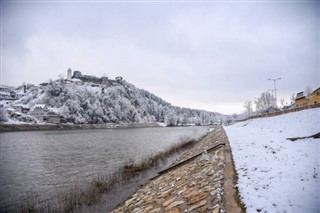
(271, 114)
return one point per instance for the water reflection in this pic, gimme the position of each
(46, 163)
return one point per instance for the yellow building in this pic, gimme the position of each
(303, 100)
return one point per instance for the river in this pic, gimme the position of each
(44, 164)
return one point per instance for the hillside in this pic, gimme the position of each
(277, 174)
(77, 101)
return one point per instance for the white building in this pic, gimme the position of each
(40, 112)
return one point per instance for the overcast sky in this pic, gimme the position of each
(204, 55)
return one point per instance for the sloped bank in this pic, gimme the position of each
(277, 174)
(98, 194)
(37, 127)
(205, 183)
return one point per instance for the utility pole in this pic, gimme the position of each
(275, 88)
(271, 90)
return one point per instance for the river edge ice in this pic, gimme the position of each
(276, 174)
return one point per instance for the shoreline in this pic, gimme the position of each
(40, 127)
(90, 196)
(203, 179)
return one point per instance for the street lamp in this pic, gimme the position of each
(275, 87)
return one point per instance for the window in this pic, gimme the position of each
(300, 94)
(318, 93)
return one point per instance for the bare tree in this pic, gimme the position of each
(265, 103)
(308, 92)
(293, 98)
(282, 102)
(248, 107)
(171, 119)
(204, 116)
(61, 76)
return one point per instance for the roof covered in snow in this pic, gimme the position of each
(39, 106)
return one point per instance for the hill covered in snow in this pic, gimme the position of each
(277, 174)
(76, 101)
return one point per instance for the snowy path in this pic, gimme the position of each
(275, 174)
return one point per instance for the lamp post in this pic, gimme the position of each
(275, 87)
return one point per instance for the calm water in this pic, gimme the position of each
(45, 163)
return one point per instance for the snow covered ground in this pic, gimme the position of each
(276, 174)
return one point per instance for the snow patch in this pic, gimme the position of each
(276, 174)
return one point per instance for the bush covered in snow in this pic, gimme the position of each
(3, 115)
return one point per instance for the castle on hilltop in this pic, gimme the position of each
(92, 79)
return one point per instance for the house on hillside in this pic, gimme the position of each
(4, 103)
(12, 95)
(303, 99)
(5, 95)
(54, 118)
(21, 108)
(39, 111)
(315, 97)
(17, 94)
(44, 114)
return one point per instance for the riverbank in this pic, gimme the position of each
(60, 164)
(38, 127)
(201, 180)
(277, 174)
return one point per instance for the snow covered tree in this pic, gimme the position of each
(308, 92)
(3, 115)
(282, 102)
(84, 102)
(293, 98)
(265, 103)
(234, 116)
(171, 119)
(248, 107)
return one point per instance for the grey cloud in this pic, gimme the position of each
(197, 54)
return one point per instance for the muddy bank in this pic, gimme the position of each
(37, 127)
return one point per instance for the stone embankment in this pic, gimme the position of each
(195, 186)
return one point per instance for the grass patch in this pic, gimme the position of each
(73, 198)
(132, 168)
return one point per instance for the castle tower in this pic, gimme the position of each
(69, 74)
(104, 80)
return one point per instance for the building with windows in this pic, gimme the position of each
(303, 99)
(39, 111)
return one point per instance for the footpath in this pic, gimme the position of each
(201, 180)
